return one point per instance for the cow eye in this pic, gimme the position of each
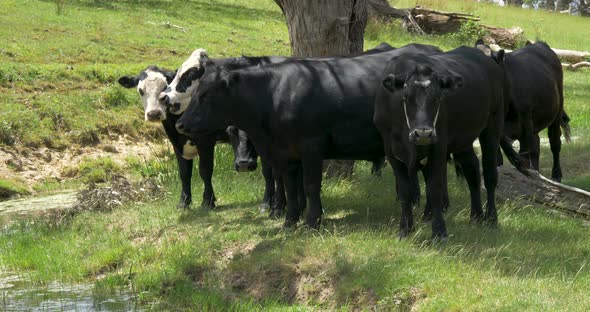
(141, 92)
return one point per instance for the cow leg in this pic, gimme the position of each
(269, 187)
(185, 172)
(427, 216)
(406, 193)
(279, 202)
(489, 141)
(527, 137)
(554, 133)
(437, 170)
(206, 154)
(312, 181)
(535, 151)
(470, 165)
(378, 164)
(301, 196)
(291, 182)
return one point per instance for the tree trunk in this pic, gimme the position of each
(326, 28)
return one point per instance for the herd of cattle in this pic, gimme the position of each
(415, 105)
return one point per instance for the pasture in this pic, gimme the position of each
(58, 74)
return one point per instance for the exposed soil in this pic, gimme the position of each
(32, 166)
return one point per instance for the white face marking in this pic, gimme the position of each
(184, 97)
(149, 90)
(423, 83)
(189, 150)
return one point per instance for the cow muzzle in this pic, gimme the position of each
(244, 165)
(154, 115)
(423, 136)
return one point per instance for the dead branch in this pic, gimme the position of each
(169, 25)
(575, 67)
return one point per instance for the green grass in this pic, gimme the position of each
(9, 188)
(59, 81)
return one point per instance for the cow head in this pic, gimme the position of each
(178, 94)
(422, 90)
(149, 83)
(211, 107)
(244, 152)
(497, 56)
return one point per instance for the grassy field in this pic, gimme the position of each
(58, 75)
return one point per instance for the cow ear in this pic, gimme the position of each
(450, 83)
(170, 76)
(203, 57)
(232, 79)
(479, 42)
(393, 83)
(128, 81)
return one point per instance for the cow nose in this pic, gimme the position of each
(154, 115)
(245, 165)
(424, 133)
(180, 127)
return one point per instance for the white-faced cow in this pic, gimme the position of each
(150, 83)
(432, 105)
(536, 100)
(303, 110)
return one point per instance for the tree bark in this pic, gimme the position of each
(326, 28)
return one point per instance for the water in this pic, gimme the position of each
(18, 293)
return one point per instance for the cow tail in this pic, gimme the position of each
(564, 120)
(512, 155)
(565, 126)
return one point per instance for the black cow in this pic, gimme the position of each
(150, 82)
(432, 105)
(300, 110)
(179, 94)
(536, 100)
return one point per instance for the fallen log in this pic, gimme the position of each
(514, 185)
(565, 55)
(575, 67)
(572, 56)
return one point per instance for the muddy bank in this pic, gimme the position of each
(30, 166)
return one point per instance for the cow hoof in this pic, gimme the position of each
(183, 206)
(290, 224)
(313, 223)
(491, 222)
(405, 232)
(276, 213)
(440, 238)
(478, 219)
(207, 205)
(264, 207)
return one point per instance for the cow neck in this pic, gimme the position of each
(251, 100)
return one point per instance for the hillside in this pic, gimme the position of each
(65, 121)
